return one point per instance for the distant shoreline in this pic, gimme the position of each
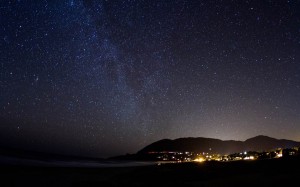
(15, 161)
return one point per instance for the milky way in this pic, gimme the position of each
(101, 78)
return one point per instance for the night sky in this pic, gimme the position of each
(102, 78)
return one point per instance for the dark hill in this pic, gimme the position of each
(258, 143)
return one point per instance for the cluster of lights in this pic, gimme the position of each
(202, 157)
(199, 160)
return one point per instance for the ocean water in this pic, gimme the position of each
(14, 161)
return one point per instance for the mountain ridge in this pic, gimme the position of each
(202, 144)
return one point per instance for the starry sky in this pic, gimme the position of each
(102, 78)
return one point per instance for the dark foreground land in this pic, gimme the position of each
(276, 172)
